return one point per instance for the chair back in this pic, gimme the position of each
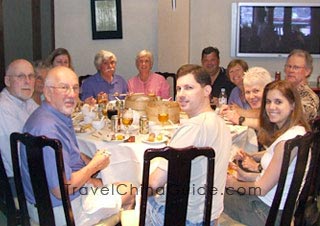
(171, 77)
(7, 204)
(82, 78)
(34, 151)
(303, 146)
(307, 212)
(178, 181)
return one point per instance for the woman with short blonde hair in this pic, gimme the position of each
(146, 81)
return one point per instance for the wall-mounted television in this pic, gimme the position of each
(274, 29)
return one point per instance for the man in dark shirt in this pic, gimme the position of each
(210, 60)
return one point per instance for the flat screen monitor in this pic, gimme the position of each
(274, 29)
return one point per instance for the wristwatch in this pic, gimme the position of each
(241, 120)
(260, 168)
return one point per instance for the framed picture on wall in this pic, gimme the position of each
(106, 19)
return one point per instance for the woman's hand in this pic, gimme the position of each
(232, 116)
(223, 109)
(241, 154)
(250, 164)
(231, 181)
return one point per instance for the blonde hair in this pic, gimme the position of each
(143, 53)
(256, 76)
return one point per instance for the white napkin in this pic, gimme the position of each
(104, 200)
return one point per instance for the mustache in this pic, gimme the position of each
(70, 101)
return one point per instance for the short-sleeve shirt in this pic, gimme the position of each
(47, 121)
(235, 98)
(205, 129)
(95, 84)
(310, 101)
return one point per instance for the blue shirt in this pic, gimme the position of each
(236, 99)
(95, 84)
(48, 121)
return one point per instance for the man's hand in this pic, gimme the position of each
(100, 160)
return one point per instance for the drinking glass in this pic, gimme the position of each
(102, 98)
(151, 92)
(127, 119)
(111, 110)
(163, 115)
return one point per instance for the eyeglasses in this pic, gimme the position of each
(293, 67)
(23, 77)
(66, 89)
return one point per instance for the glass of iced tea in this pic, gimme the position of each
(127, 119)
(102, 98)
(163, 115)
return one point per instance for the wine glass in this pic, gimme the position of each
(163, 115)
(127, 119)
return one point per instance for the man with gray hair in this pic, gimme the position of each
(105, 80)
(53, 119)
(298, 68)
(16, 105)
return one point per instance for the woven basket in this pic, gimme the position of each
(138, 102)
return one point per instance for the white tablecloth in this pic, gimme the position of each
(126, 160)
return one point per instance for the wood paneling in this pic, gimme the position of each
(38, 29)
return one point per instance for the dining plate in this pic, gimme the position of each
(156, 141)
(115, 138)
(82, 128)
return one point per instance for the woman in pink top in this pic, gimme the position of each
(146, 81)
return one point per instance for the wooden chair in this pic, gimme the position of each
(34, 150)
(303, 146)
(7, 204)
(82, 78)
(173, 85)
(178, 179)
(307, 212)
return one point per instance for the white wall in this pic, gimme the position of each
(210, 24)
(73, 31)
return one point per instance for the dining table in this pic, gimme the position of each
(126, 158)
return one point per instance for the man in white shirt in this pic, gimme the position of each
(204, 128)
(16, 105)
